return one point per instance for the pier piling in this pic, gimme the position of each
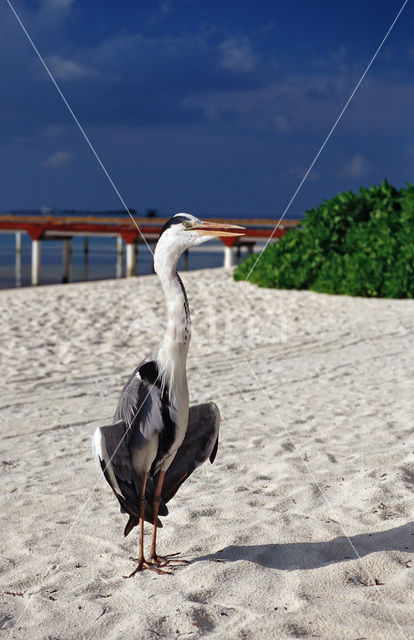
(228, 257)
(18, 236)
(35, 262)
(131, 259)
(67, 252)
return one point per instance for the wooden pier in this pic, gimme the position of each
(50, 227)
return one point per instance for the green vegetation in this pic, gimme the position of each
(355, 244)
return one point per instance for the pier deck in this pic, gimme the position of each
(124, 229)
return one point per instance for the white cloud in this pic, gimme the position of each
(236, 55)
(57, 159)
(292, 104)
(65, 69)
(356, 167)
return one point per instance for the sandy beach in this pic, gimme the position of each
(302, 527)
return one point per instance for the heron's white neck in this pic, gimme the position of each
(172, 354)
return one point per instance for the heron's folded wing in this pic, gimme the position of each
(200, 443)
(110, 444)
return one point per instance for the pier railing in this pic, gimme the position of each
(123, 228)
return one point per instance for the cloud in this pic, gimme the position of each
(356, 167)
(57, 159)
(236, 55)
(276, 105)
(64, 69)
(150, 79)
(136, 80)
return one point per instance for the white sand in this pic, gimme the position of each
(269, 557)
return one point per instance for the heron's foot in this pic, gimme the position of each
(143, 564)
(164, 561)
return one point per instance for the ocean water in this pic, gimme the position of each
(98, 264)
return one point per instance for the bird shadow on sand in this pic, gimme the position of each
(289, 556)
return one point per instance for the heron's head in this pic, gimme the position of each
(183, 231)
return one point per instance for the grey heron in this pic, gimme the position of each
(156, 440)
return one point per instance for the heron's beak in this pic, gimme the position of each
(218, 230)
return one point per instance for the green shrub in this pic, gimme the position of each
(354, 244)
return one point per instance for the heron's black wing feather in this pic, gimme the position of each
(200, 443)
(214, 452)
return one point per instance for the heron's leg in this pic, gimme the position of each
(156, 502)
(142, 503)
(156, 559)
(142, 563)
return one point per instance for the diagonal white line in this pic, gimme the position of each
(76, 120)
(328, 136)
(331, 509)
(283, 215)
(391, 614)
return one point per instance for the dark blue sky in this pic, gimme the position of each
(215, 107)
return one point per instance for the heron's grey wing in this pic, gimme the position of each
(200, 443)
(131, 444)
(111, 448)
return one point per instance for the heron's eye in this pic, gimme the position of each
(187, 225)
